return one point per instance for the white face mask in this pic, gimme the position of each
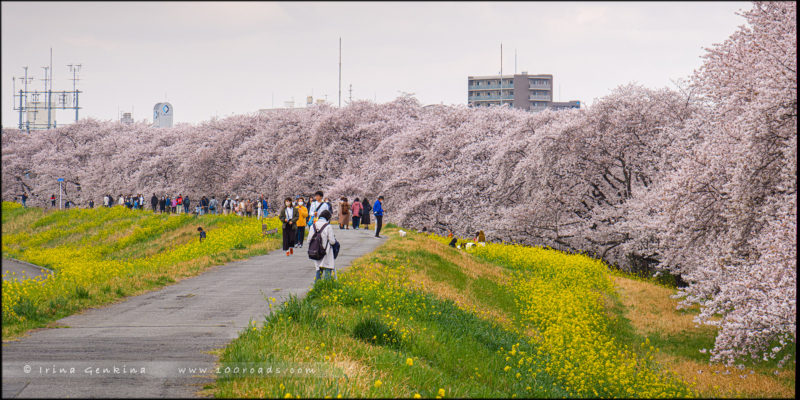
(300, 202)
(288, 204)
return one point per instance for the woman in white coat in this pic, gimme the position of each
(325, 265)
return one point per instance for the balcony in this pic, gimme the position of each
(489, 98)
(540, 97)
(488, 87)
(539, 87)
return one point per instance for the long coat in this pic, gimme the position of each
(366, 213)
(327, 241)
(344, 213)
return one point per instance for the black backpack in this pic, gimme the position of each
(315, 249)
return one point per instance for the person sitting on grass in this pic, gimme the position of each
(202, 233)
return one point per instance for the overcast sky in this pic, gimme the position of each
(219, 59)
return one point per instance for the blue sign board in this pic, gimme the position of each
(61, 179)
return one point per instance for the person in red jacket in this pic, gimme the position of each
(356, 210)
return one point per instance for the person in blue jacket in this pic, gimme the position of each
(377, 210)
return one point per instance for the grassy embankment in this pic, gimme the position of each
(104, 254)
(419, 318)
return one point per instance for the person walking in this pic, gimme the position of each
(248, 208)
(344, 214)
(53, 200)
(185, 201)
(162, 204)
(302, 214)
(288, 216)
(141, 201)
(366, 212)
(259, 208)
(325, 266)
(317, 206)
(91, 203)
(355, 211)
(212, 205)
(377, 210)
(174, 206)
(226, 205)
(24, 199)
(154, 202)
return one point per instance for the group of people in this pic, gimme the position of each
(358, 211)
(295, 217)
(183, 204)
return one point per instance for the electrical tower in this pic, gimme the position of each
(37, 109)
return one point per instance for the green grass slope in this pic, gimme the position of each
(101, 255)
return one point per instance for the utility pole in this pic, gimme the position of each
(515, 61)
(351, 94)
(340, 71)
(501, 73)
(75, 68)
(50, 93)
(46, 77)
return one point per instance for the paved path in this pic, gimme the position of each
(161, 331)
(21, 269)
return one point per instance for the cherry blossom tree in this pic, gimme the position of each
(698, 180)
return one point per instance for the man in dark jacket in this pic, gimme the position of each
(377, 209)
(154, 202)
(186, 204)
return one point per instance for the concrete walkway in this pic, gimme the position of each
(161, 331)
(21, 270)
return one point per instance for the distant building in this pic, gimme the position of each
(523, 91)
(564, 105)
(126, 119)
(162, 115)
(290, 105)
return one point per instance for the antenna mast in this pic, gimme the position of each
(340, 71)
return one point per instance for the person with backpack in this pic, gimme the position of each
(302, 213)
(377, 209)
(226, 205)
(356, 211)
(186, 204)
(344, 214)
(365, 213)
(288, 216)
(212, 205)
(320, 246)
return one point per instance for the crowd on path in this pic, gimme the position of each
(323, 246)
(314, 212)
